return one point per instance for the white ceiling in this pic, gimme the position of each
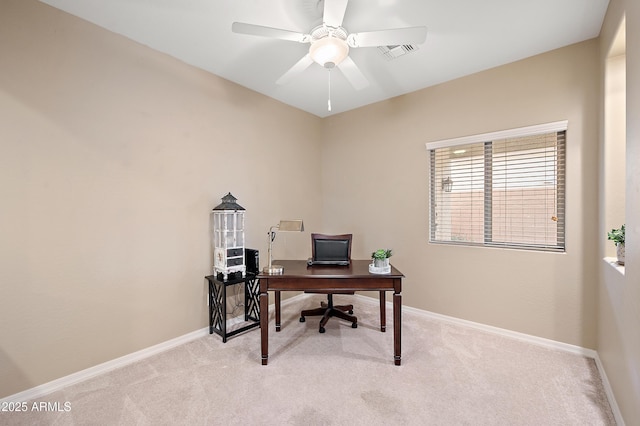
(464, 37)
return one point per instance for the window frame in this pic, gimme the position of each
(488, 139)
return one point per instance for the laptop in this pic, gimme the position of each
(330, 251)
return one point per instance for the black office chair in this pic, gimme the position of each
(330, 249)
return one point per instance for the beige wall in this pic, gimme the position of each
(112, 157)
(375, 167)
(619, 295)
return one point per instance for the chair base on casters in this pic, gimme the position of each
(328, 310)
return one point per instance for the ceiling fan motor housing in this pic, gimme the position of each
(328, 45)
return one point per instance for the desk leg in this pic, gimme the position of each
(264, 325)
(383, 312)
(277, 301)
(397, 327)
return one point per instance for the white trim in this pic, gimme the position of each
(613, 262)
(71, 379)
(534, 340)
(105, 367)
(538, 341)
(58, 384)
(527, 338)
(556, 126)
(617, 414)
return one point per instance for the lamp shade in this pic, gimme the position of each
(291, 225)
(329, 51)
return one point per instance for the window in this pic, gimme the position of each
(502, 189)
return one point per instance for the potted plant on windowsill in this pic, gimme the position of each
(617, 236)
(380, 263)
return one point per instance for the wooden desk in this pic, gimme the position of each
(298, 276)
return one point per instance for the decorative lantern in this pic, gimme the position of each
(228, 237)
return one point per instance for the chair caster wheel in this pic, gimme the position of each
(354, 325)
(302, 319)
(321, 330)
(351, 312)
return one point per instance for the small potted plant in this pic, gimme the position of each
(380, 264)
(617, 236)
(381, 257)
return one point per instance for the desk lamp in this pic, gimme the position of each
(283, 226)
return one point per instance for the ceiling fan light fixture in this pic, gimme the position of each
(329, 51)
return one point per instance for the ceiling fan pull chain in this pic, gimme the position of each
(329, 100)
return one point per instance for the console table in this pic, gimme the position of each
(297, 276)
(218, 304)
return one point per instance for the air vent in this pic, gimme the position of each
(393, 52)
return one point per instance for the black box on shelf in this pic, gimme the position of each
(252, 260)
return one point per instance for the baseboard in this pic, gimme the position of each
(535, 340)
(617, 414)
(58, 384)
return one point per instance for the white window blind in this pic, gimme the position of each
(502, 189)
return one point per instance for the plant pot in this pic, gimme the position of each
(381, 263)
(620, 253)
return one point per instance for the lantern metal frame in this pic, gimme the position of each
(228, 238)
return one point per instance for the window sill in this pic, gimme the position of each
(614, 264)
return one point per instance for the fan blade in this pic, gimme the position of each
(258, 30)
(353, 74)
(334, 12)
(299, 66)
(411, 35)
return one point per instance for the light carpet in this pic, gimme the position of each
(450, 375)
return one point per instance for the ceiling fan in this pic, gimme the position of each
(330, 43)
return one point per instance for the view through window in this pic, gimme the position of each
(504, 191)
